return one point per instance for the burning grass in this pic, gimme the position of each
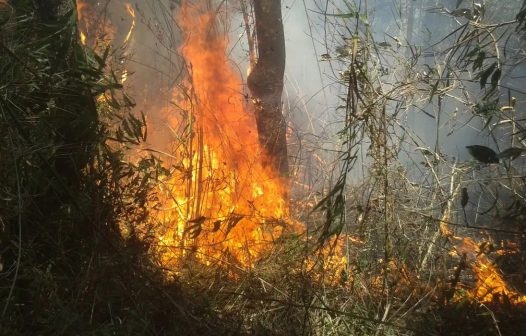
(221, 223)
(221, 200)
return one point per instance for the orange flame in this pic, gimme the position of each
(222, 202)
(330, 265)
(489, 284)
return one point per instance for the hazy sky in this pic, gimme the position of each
(312, 88)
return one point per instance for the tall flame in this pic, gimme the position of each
(222, 201)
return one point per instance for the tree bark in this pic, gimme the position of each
(266, 82)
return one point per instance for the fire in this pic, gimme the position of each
(101, 35)
(93, 28)
(221, 202)
(81, 8)
(131, 11)
(83, 38)
(330, 264)
(124, 76)
(489, 284)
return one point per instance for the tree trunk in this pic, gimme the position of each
(266, 82)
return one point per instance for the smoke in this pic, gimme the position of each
(313, 31)
(145, 48)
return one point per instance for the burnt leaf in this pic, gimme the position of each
(477, 63)
(483, 154)
(511, 153)
(495, 78)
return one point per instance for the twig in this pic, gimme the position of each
(495, 322)
(453, 191)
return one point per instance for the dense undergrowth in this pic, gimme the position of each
(68, 189)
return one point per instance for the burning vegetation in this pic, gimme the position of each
(205, 221)
(220, 202)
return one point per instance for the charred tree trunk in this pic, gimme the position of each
(266, 82)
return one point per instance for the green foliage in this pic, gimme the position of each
(71, 186)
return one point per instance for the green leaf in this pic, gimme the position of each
(99, 60)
